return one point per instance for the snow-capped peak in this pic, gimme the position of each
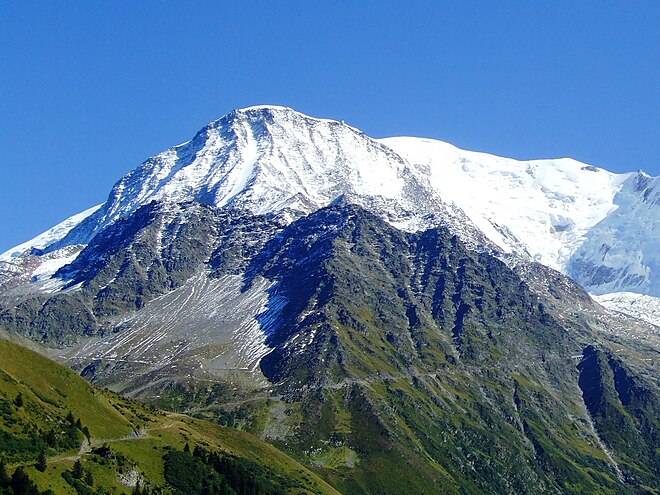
(272, 160)
(601, 228)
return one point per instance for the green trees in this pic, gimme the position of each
(141, 489)
(51, 438)
(19, 483)
(22, 484)
(89, 478)
(188, 474)
(211, 473)
(80, 479)
(65, 434)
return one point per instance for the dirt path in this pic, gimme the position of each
(86, 446)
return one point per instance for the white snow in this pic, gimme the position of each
(279, 108)
(50, 236)
(270, 160)
(49, 266)
(640, 306)
(543, 207)
(622, 253)
(265, 107)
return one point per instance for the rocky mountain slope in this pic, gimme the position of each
(297, 279)
(361, 348)
(600, 228)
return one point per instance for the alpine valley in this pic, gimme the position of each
(391, 315)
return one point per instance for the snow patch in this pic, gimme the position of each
(639, 306)
(50, 236)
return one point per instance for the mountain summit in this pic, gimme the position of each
(271, 160)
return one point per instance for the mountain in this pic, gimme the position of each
(600, 228)
(366, 351)
(631, 304)
(272, 160)
(620, 252)
(390, 318)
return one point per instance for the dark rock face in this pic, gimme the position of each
(622, 408)
(590, 380)
(397, 318)
(135, 260)
(345, 267)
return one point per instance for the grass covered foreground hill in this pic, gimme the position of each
(59, 434)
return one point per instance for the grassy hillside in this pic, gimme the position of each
(94, 441)
(50, 391)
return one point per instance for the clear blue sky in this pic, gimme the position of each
(88, 90)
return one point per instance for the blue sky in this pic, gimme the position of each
(88, 90)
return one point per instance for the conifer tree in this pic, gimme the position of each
(89, 478)
(199, 453)
(51, 439)
(4, 477)
(77, 470)
(42, 463)
(21, 483)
